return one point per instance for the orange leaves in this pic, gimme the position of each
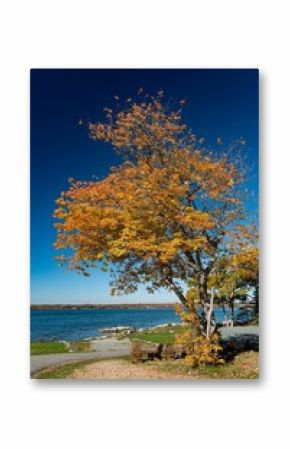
(214, 192)
(170, 206)
(199, 349)
(139, 127)
(169, 249)
(233, 274)
(109, 223)
(140, 210)
(196, 220)
(188, 317)
(100, 131)
(247, 263)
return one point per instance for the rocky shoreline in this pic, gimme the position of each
(127, 330)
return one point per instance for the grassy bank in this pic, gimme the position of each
(50, 347)
(55, 347)
(164, 335)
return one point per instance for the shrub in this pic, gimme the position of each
(200, 349)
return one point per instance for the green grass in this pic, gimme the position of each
(163, 335)
(55, 347)
(50, 347)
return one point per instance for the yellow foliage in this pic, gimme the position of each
(169, 204)
(200, 350)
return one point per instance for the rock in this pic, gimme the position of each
(118, 329)
(160, 326)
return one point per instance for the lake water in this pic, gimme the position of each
(79, 324)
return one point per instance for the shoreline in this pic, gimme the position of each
(115, 306)
(112, 332)
(101, 306)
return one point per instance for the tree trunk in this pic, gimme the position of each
(209, 313)
(257, 300)
(178, 292)
(203, 298)
(202, 281)
(231, 306)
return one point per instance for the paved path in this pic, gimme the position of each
(228, 332)
(102, 349)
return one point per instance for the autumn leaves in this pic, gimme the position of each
(171, 212)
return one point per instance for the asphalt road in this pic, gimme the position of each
(101, 349)
(228, 332)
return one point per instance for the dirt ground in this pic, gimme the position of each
(245, 366)
(122, 369)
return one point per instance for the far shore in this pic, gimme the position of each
(114, 306)
(102, 306)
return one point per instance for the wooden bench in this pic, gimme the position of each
(174, 352)
(143, 352)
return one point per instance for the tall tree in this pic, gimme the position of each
(165, 216)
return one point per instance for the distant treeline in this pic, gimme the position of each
(99, 306)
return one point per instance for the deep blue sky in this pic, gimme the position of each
(219, 103)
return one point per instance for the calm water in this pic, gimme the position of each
(79, 324)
